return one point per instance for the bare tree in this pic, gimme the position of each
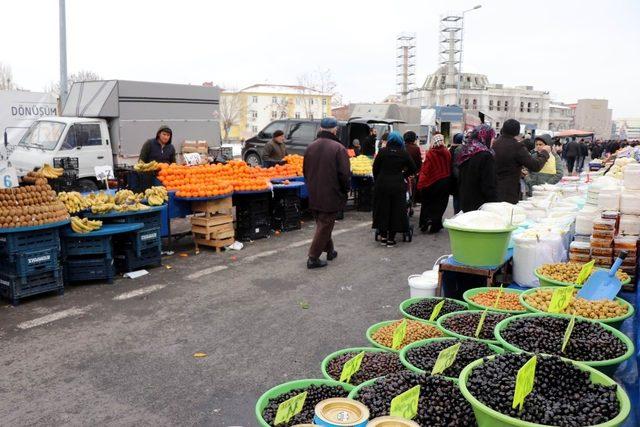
(6, 77)
(230, 110)
(80, 76)
(318, 82)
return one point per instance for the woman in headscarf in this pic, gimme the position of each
(477, 170)
(390, 168)
(433, 185)
(453, 187)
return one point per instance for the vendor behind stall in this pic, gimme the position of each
(159, 148)
(274, 150)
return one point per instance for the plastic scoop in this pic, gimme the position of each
(603, 284)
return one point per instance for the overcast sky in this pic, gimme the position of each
(573, 49)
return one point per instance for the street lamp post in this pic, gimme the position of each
(461, 51)
(63, 53)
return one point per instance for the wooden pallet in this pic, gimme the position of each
(212, 207)
(212, 223)
(213, 243)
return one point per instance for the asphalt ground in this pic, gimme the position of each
(122, 354)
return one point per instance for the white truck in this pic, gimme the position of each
(105, 123)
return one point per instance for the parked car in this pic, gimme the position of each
(299, 133)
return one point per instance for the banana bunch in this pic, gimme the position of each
(147, 167)
(50, 172)
(101, 198)
(156, 196)
(128, 197)
(130, 208)
(361, 165)
(84, 225)
(73, 201)
(103, 208)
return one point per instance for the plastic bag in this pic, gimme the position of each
(533, 249)
(506, 210)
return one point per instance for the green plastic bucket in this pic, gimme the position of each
(547, 281)
(373, 328)
(479, 248)
(285, 388)
(413, 368)
(614, 322)
(475, 306)
(606, 366)
(329, 358)
(451, 333)
(406, 303)
(487, 417)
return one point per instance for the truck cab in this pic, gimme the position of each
(49, 138)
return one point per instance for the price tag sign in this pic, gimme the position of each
(103, 172)
(289, 408)
(481, 323)
(405, 405)
(585, 272)
(560, 299)
(192, 159)
(436, 311)
(398, 335)
(567, 332)
(524, 382)
(351, 367)
(445, 359)
(8, 177)
(500, 292)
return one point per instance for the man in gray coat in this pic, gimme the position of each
(327, 174)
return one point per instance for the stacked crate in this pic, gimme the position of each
(363, 194)
(142, 248)
(252, 216)
(285, 210)
(212, 223)
(30, 264)
(88, 259)
(67, 181)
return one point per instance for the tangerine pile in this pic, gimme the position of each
(219, 179)
(295, 160)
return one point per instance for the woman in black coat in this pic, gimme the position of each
(390, 168)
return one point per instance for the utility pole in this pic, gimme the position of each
(63, 53)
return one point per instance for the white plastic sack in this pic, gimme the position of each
(530, 252)
(479, 220)
(630, 202)
(506, 210)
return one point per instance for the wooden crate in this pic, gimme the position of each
(212, 207)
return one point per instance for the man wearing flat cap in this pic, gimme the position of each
(327, 175)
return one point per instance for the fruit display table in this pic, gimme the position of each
(89, 256)
(30, 261)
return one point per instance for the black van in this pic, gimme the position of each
(299, 133)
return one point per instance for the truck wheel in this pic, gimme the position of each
(86, 185)
(253, 159)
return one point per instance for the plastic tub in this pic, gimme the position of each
(614, 322)
(286, 387)
(409, 366)
(479, 248)
(547, 281)
(580, 248)
(580, 258)
(373, 328)
(487, 417)
(627, 243)
(406, 303)
(422, 286)
(604, 224)
(629, 225)
(329, 358)
(607, 367)
(601, 243)
(601, 252)
(451, 333)
(475, 306)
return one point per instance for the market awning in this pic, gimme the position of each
(572, 132)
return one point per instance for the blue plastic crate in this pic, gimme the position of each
(128, 260)
(149, 219)
(12, 243)
(87, 269)
(31, 262)
(78, 246)
(140, 241)
(14, 288)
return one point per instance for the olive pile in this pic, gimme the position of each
(567, 272)
(424, 356)
(589, 341)
(562, 394)
(440, 402)
(315, 394)
(601, 309)
(466, 323)
(373, 365)
(416, 331)
(423, 308)
(507, 300)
